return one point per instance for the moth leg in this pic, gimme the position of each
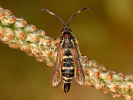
(55, 45)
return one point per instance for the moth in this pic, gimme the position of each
(67, 66)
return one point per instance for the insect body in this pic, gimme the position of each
(67, 65)
(67, 61)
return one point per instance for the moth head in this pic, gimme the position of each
(66, 29)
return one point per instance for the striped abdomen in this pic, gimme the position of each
(67, 68)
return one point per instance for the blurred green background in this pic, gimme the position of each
(105, 33)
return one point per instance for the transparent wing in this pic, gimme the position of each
(79, 77)
(56, 78)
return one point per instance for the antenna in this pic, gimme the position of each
(53, 15)
(76, 14)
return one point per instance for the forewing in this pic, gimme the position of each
(56, 78)
(79, 77)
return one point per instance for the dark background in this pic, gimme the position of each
(105, 33)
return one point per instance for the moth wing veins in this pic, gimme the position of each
(79, 77)
(56, 78)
